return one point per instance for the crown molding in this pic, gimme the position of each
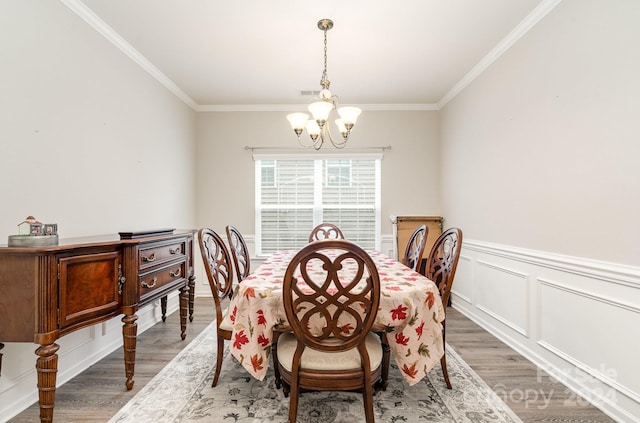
(523, 27)
(80, 9)
(294, 107)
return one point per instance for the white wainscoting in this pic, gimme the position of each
(78, 350)
(577, 319)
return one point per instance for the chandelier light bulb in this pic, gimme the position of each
(349, 116)
(313, 129)
(320, 111)
(298, 121)
(343, 129)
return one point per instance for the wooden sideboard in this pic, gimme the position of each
(47, 292)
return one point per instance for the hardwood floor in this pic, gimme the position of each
(531, 393)
(98, 393)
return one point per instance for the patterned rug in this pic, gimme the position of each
(182, 392)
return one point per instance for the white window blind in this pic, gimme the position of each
(293, 195)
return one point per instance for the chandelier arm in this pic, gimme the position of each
(341, 144)
(315, 144)
(333, 142)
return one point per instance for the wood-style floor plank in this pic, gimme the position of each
(98, 393)
(529, 391)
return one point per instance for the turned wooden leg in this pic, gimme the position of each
(274, 354)
(47, 367)
(163, 307)
(129, 333)
(192, 293)
(184, 306)
(443, 360)
(1, 347)
(386, 359)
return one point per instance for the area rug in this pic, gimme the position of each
(182, 393)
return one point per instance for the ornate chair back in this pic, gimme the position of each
(443, 261)
(325, 231)
(240, 252)
(415, 247)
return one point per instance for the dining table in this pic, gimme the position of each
(410, 312)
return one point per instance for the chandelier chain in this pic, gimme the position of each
(324, 72)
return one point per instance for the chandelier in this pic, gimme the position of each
(318, 127)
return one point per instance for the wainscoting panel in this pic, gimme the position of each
(577, 319)
(576, 335)
(502, 293)
(463, 288)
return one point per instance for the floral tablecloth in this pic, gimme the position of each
(410, 308)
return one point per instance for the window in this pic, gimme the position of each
(294, 195)
(268, 171)
(338, 173)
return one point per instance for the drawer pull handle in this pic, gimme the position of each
(152, 257)
(175, 274)
(175, 251)
(150, 285)
(121, 279)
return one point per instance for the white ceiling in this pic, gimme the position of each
(251, 53)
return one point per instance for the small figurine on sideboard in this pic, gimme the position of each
(32, 233)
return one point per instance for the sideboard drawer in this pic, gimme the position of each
(161, 279)
(161, 252)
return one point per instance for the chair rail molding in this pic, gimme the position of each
(605, 271)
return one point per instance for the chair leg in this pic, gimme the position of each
(293, 400)
(218, 360)
(386, 357)
(443, 360)
(445, 373)
(274, 354)
(367, 398)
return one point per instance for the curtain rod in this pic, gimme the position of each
(250, 148)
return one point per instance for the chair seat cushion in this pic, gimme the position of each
(226, 323)
(318, 360)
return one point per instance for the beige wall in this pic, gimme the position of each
(88, 139)
(542, 150)
(225, 170)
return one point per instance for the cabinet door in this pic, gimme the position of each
(89, 288)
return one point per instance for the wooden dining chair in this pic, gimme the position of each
(325, 231)
(412, 258)
(242, 264)
(239, 252)
(415, 248)
(441, 269)
(217, 264)
(331, 314)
